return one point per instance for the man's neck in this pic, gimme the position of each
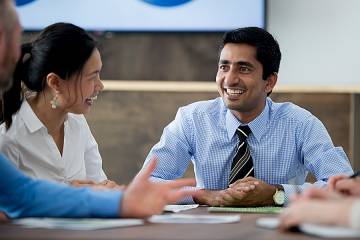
(248, 116)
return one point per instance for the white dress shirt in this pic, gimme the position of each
(28, 144)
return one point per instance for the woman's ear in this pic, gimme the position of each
(271, 82)
(54, 82)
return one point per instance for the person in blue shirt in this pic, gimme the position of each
(22, 196)
(246, 149)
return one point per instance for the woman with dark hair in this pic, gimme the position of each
(43, 128)
(22, 196)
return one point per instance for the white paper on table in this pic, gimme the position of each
(268, 222)
(313, 229)
(77, 223)
(329, 231)
(189, 218)
(179, 208)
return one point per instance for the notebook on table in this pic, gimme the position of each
(269, 209)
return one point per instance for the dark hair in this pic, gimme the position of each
(267, 48)
(61, 48)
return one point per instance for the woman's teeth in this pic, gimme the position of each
(91, 99)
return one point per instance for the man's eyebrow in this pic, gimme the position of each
(239, 63)
(243, 63)
(223, 61)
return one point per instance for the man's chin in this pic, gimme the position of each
(5, 84)
(6, 79)
(234, 107)
(237, 107)
(230, 104)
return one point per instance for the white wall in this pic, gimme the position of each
(319, 40)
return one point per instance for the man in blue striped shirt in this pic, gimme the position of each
(286, 141)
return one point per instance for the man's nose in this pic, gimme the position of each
(232, 78)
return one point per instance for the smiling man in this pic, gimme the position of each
(247, 150)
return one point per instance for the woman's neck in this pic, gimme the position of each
(53, 119)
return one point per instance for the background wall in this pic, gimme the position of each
(160, 56)
(319, 40)
(157, 56)
(127, 124)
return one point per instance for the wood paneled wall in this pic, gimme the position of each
(157, 56)
(127, 123)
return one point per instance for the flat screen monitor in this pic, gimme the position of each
(143, 15)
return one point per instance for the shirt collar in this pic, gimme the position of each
(31, 121)
(258, 126)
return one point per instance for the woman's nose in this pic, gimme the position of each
(100, 85)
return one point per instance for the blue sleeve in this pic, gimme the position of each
(319, 155)
(21, 196)
(173, 151)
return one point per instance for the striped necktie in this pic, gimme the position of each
(242, 164)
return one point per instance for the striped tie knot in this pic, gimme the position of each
(243, 132)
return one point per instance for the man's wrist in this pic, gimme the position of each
(279, 187)
(198, 198)
(206, 197)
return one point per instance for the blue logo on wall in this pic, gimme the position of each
(23, 2)
(166, 3)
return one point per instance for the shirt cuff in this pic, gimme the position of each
(105, 203)
(188, 199)
(289, 190)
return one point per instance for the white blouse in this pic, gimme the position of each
(28, 144)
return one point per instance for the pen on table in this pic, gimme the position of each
(357, 174)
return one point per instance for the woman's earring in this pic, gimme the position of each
(54, 102)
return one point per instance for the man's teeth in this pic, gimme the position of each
(234, 91)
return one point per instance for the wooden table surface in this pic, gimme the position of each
(245, 229)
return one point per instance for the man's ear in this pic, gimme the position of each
(54, 82)
(271, 82)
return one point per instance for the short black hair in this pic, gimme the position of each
(267, 48)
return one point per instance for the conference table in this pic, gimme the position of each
(244, 229)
